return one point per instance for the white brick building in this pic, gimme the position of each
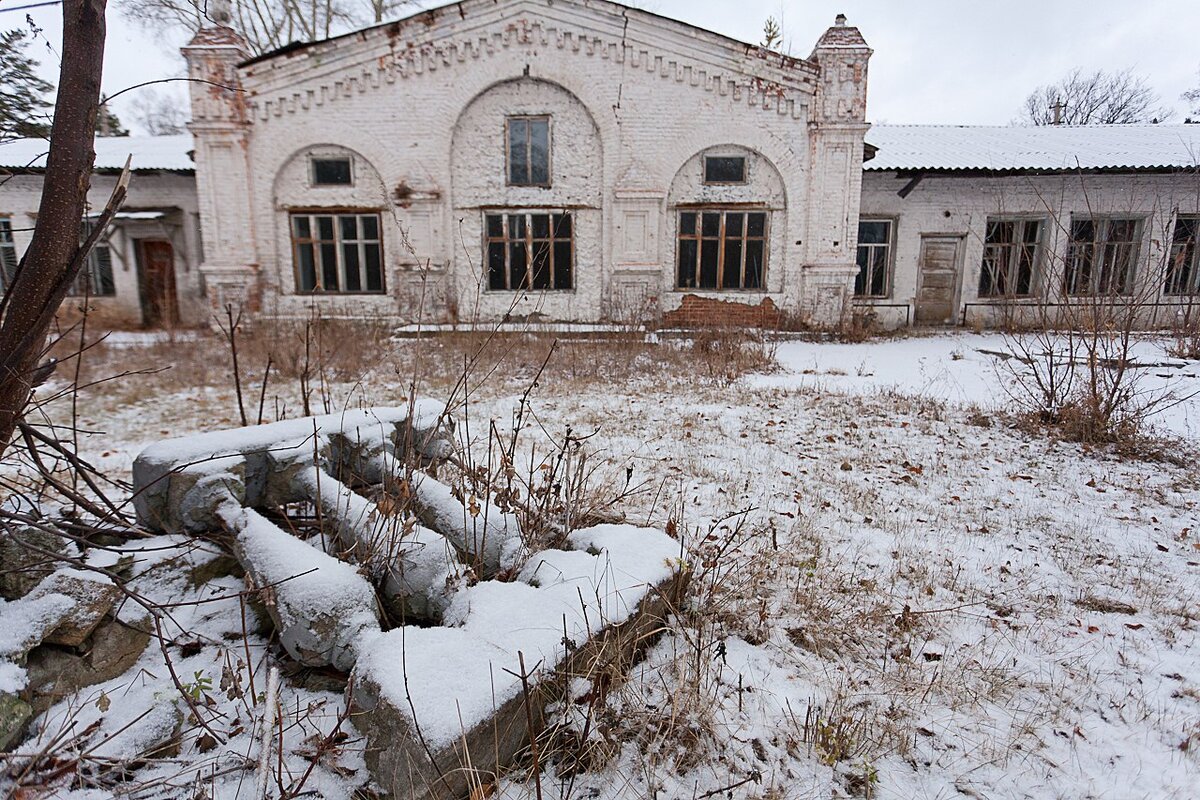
(560, 159)
(146, 269)
(969, 225)
(577, 160)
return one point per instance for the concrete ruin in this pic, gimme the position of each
(455, 637)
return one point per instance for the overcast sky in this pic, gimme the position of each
(936, 61)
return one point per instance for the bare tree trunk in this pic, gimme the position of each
(53, 259)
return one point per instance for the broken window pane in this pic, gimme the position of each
(1010, 254)
(1183, 268)
(1102, 256)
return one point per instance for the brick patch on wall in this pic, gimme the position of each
(705, 312)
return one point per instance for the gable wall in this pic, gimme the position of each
(427, 114)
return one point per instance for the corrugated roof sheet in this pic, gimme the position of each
(1052, 147)
(149, 152)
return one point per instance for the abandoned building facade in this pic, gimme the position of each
(570, 160)
(580, 161)
(146, 268)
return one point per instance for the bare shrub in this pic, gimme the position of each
(1070, 360)
(725, 354)
(1184, 340)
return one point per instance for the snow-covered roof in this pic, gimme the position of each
(1051, 147)
(149, 152)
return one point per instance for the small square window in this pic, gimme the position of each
(331, 172)
(724, 169)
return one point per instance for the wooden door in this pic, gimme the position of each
(938, 279)
(156, 263)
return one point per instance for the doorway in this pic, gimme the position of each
(156, 282)
(938, 279)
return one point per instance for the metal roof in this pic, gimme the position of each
(1047, 148)
(148, 152)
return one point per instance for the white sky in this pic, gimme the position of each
(936, 61)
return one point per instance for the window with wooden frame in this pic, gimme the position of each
(724, 169)
(8, 254)
(528, 150)
(96, 277)
(331, 171)
(337, 252)
(1102, 256)
(1183, 270)
(1011, 255)
(874, 258)
(723, 249)
(529, 251)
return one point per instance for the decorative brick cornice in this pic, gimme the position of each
(415, 60)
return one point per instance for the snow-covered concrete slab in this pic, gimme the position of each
(444, 708)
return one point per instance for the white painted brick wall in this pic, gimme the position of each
(20, 196)
(962, 205)
(634, 99)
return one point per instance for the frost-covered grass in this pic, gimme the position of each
(898, 594)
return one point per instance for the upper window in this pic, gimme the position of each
(337, 252)
(874, 258)
(529, 251)
(332, 171)
(722, 249)
(8, 254)
(1010, 257)
(1183, 270)
(528, 151)
(724, 169)
(1102, 256)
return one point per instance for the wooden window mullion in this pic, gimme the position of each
(721, 254)
(745, 242)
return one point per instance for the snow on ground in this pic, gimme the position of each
(963, 369)
(932, 604)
